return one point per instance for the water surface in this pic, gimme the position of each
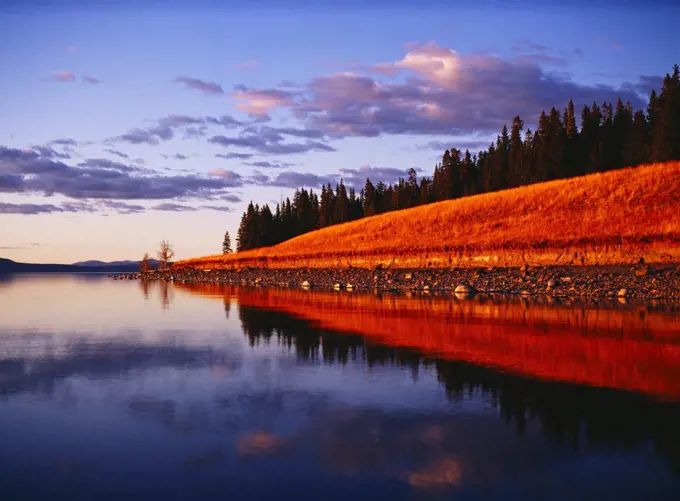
(125, 390)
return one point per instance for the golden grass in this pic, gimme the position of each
(607, 218)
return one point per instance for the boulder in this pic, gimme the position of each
(464, 289)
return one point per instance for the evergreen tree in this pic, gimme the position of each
(610, 137)
(226, 244)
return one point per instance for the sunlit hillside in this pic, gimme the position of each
(615, 217)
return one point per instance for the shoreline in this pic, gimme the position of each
(624, 282)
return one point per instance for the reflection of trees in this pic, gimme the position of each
(569, 414)
(145, 286)
(165, 294)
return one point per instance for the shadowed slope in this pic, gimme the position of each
(610, 218)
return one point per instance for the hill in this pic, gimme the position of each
(95, 263)
(613, 218)
(9, 266)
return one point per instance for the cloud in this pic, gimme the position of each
(62, 76)
(292, 179)
(65, 142)
(578, 52)
(269, 165)
(173, 207)
(462, 144)
(441, 92)
(247, 65)
(209, 88)
(645, 84)
(164, 128)
(219, 208)
(121, 207)
(103, 163)
(48, 152)
(240, 156)
(11, 182)
(91, 80)
(228, 175)
(176, 156)
(32, 209)
(270, 142)
(27, 171)
(117, 153)
(260, 102)
(230, 197)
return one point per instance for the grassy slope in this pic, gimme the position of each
(610, 218)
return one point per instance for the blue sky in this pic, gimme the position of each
(113, 116)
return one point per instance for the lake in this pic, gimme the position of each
(132, 390)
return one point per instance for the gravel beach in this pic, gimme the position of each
(639, 282)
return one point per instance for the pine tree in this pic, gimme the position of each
(226, 244)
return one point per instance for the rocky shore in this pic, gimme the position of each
(639, 282)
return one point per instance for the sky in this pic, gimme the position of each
(123, 125)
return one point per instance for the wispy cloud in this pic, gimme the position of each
(209, 88)
(117, 153)
(91, 80)
(240, 156)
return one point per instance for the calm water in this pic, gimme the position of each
(117, 390)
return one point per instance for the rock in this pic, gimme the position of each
(306, 284)
(464, 289)
(622, 293)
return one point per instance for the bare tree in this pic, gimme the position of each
(144, 266)
(165, 254)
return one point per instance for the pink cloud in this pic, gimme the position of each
(260, 102)
(63, 76)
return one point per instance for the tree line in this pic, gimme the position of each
(609, 137)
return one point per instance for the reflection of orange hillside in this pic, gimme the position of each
(633, 349)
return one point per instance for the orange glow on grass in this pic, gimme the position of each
(622, 213)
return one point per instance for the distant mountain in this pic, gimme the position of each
(9, 266)
(94, 263)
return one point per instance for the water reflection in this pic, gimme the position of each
(632, 348)
(270, 394)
